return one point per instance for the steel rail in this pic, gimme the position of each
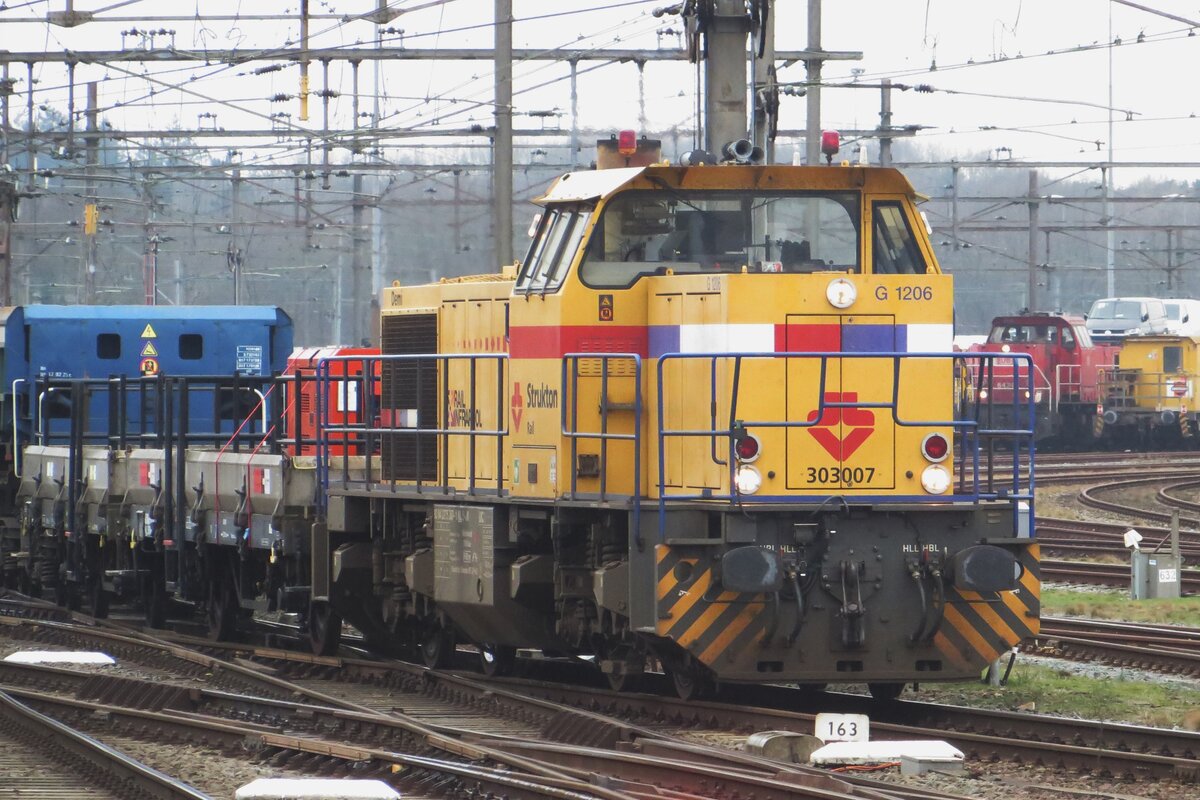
(143, 780)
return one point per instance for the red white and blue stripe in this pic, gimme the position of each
(653, 341)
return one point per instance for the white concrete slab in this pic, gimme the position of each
(881, 752)
(315, 789)
(59, 657)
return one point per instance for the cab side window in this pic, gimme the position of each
(894, 247)
(1172, 359)
(553, 250)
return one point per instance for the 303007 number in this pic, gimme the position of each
(840, 474)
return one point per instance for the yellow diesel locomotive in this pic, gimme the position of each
(1149, 398)
(709, 425)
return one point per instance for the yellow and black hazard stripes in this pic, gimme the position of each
(976, 628)
(698, 615)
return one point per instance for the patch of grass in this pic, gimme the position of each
(1118, 606)
(1062, 692)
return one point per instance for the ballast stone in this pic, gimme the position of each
(315, 789)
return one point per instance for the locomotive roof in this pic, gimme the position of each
(601, 183)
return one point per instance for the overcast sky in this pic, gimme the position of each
(992, 69)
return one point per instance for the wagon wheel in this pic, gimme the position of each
(154, 593)
(627, 680)
(222, 611)
(437, 647)
(97, 598)
(885, 691)
(324, 628)
(155, 606)
(497, 659)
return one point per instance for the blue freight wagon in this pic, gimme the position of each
(46, 347)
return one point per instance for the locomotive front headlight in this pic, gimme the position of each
(983, 394)
(935, 479)
(748, 479)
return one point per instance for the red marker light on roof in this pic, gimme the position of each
(831, 142)
(627, 143)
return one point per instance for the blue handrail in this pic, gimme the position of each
(971, 432)
(367, 430)
(570, 426)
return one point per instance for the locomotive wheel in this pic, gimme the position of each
(437, 647)
(222, 612)
(625, 681)
(688, 684)
(324, 628)
(885, 691)
(497, 659)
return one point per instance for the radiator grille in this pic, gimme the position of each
(593, 367)
(406, 386)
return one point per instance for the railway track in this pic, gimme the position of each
(465, 737)
(548, 723)
(987, 735)
(1160, 648)
(1096, 573)
(41, 757)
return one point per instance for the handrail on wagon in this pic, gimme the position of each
(371, 430)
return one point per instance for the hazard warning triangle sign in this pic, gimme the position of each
(148, 332)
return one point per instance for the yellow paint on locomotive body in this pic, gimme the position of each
(589, 301)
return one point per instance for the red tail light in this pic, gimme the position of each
(746, 447)
(935, 447)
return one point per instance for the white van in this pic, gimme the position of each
(1113, 318)
(1183, 316)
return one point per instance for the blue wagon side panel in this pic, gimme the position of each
(96, 343)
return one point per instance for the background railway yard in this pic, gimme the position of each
(1092, 707)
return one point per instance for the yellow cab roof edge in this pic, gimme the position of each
(576, 187)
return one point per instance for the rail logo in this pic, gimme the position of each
(518, 405)
(859, 422)
(462, 416)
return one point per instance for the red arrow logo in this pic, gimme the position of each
(518, 406)
(862, 419)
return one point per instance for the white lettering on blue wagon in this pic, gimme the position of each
(250, 359)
